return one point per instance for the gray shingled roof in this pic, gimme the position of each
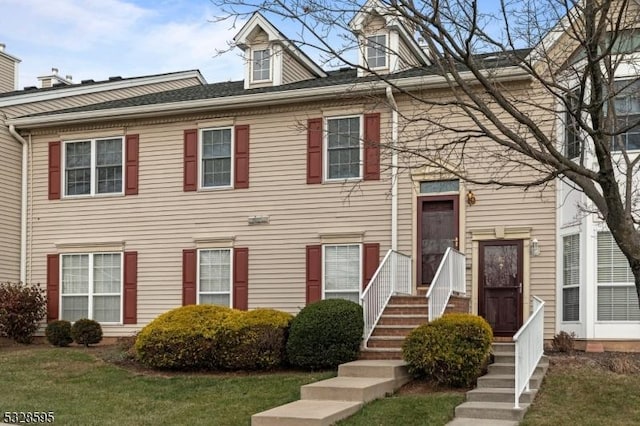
(235, 88)
(33, 89)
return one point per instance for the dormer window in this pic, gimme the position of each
(261, 65)
(377, 51)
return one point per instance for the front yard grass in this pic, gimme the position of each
(596, 389)
(84, 390)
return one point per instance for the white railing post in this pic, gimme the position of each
(442, 286)
(392, 276)
(529, 348)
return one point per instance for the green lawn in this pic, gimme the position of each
(84, 390)
(583, 393)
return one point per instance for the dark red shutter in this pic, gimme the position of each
(372, 146)
(189, 267)
(191, 160)
(241, 278)
(130, 287)
(54, 170)
(314, 273)
(370, 263)
(241, 157)
(314, 150)
(131, 162)
(53, 287)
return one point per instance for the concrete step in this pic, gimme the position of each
(502, 358)
(407, 309)
(481, 422)
(380, 353)
(392, 330)
(507, 381)
(499, 395)
(491, 410)
(510, 368)
(386, 369)
(363, 389)
(414, 320)
(503, 347)
(306, 412)
(386, 342)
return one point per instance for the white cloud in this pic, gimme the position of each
(95, 39)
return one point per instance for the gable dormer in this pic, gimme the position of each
(270, 58)
(386, 41)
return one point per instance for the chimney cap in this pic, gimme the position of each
(2, 46)
(54, 71)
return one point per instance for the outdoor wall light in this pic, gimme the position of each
(535, 247)
(471, 198)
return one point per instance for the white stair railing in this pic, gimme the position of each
(393, 276)
(529, 342)
(449, 278)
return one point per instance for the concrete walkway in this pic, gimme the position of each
(328, 401)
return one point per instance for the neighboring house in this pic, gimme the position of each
(55, 93)
(279, 190)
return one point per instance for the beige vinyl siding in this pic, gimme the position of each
(7, 74)
(495, 207)
(93, 98)
(407, 59)
(163, 220)
(10, 186)
(293, 71)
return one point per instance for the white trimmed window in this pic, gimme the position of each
(261, 65)
(93, 166)
(342, 264)
(627, 114)
(214, 277)
(344, 148)
(617, 298)
(216, 147)
(571, 278)
(377, 51)
(91, 287)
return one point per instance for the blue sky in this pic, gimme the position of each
(97, 39)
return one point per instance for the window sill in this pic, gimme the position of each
(214, 188)
(92, 196)
(344, 180)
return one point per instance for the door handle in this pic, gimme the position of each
(455, 243)
(520, 288)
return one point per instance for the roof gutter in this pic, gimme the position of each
(255, 99)
(23, 206)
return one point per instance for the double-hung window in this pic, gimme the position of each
(214, 277)
(627, 115)
(93, 167)
(377, 51)
(216, 147)
(91, 287)
(261, 65)
(573, 143)
(571, 278)
(342, 271)
(344, 148)
(617, 298)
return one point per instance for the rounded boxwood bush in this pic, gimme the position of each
(325, 334)
(86, 332)
(452, 350)
(59, 333)
(214, 337)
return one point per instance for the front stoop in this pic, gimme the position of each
(491, 403)
(324, 403)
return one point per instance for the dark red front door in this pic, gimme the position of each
(500, 285)
(438, 230)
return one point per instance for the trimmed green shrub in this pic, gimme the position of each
(59, 333)
(198, 337)
(22, 306)
(325, 334)
(452, 350)
(86, 332)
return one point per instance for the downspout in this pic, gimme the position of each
(394, 168)
(23, 207)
